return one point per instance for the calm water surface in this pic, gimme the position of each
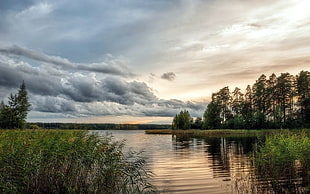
(197, 165)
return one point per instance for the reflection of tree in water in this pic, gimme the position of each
(181, 142)
(230, 158)
(290, 178)
(230, 154)
(225, 152)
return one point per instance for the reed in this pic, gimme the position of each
(67, 161)
(285, 149)
(287, 155)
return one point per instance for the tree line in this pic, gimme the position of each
(95, 126)
(13, 115)
(273, 102)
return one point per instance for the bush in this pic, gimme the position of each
(41, 161)
(285, 149)
(33, 126)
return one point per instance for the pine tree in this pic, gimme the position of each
(23, 106)
(271, 99)
(303, 89)
(259, 94)
(15, 113)
(285, 90)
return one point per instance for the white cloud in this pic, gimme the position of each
(35, 11)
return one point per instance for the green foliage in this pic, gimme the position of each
(34, 126)
(285, 154)
(5, 116)
(182, 120)
(14, 115)
(212, 119)
(283, 149)
(41, 161)
(197, 123)
(277, 102)
(303, 90)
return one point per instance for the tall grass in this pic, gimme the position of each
(41, 161)
(284, 149)
(284, 160)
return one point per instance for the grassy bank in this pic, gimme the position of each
(159, 131)
(58, 161)
(214, 132)
(223, 132)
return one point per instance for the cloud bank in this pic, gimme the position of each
(72, 91)
(117, 68)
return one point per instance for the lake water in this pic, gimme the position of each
(202, 164)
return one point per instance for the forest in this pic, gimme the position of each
(270, 103)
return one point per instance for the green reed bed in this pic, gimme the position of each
(65, 161)
(285, 149)
(285, 156)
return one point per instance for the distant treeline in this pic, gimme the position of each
(96, 126)
(277, 102)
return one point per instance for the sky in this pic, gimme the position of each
(142, 61)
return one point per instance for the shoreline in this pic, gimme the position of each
(216, 132)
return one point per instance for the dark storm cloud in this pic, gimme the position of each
(128, 93)
(38, 83)
(75, 86)
(170, 76)
(54, 90)
(8, 77)
(113, 69)
(53, 105)
(78, 94)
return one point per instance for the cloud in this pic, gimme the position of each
(53, 104)
(115, 68)
(82, 94)
(184, 38)
(170, 76)
(75, 86)
(36, 11)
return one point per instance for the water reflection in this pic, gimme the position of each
(227, 157)
(187, 164)
(232, 159)
(290, 178)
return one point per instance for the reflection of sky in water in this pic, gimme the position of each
(196, 165)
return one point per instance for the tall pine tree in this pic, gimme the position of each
(14, 115)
